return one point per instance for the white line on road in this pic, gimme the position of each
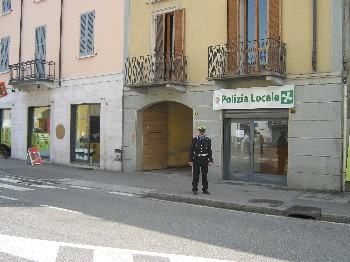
(16, 188)
(81, 187)
(122, 194)
(62, 209)
(43, 250)
(9, 198)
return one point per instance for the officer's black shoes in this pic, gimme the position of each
(206, 192)
(195, 192)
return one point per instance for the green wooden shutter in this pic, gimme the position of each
(4, 59)
(6, 6)
(40, 51)
(87, 33)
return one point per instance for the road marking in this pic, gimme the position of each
(9, 198)
(81, 187)
(62, 209)
(122, 194)
(44, 250)
(16, 188)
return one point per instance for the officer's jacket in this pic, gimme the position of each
(201, 149)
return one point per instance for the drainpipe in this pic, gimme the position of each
(60, 49)
(345, 70)
(20, 33)
(314, 16)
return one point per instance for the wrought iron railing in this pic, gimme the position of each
(258, 57)
(34, 70)
(152, 69)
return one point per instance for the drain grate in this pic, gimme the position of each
(304, 212)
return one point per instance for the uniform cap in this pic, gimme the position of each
(201, 128)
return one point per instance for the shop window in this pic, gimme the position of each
(5, 121)
(39, 127)
(86, 134)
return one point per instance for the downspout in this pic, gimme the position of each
(60, 48)
(314, 17)
(345, 56)
(125, 55)
(20, 33)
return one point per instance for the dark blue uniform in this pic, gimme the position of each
(200, 155)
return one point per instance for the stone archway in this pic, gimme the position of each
(166, 135)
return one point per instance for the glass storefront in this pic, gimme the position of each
(257, 150)
(86, 134)
(5, 123)
(39, 130)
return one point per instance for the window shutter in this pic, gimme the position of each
(87, 33)
(233, 26)
(179, 39)
(273, 27)
(6, 6)
(159, 47)
(4, 59)
(232, 22)
(40, 43)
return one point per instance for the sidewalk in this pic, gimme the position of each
(171, 185)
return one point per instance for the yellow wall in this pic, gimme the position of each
(205, 25)
(297, 34)
(179, 134)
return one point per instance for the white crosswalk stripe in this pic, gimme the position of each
(49, 251)
(16, 188)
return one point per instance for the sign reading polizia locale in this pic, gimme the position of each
(254, 97)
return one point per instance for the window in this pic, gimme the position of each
(4, 54)
(169, 43)
(253, 28)
(87, 33)
(6, 6)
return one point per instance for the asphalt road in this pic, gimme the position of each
(67, 220)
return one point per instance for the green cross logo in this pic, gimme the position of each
(287, 97)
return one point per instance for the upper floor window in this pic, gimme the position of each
(6, 6)
(4, 54)
(87, 33)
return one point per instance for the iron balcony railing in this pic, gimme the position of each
(258, 57)
(156, 69)
(34, 70)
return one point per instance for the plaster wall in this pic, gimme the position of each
(108, 38)
(199, 33)
(297, 35)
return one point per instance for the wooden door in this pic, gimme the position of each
(155, 137)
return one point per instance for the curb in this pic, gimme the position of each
(248, 208)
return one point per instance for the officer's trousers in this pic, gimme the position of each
(197, 167)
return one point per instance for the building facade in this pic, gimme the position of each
(62, 66)
(266, 77)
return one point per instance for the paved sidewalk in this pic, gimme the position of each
(175, 185)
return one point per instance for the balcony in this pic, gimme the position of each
(156, 70)
(253, 59)
(37, 71)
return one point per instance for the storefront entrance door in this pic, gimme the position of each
(256, 150)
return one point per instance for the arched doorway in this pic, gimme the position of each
(166, 135)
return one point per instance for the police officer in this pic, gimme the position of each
(200, 158)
